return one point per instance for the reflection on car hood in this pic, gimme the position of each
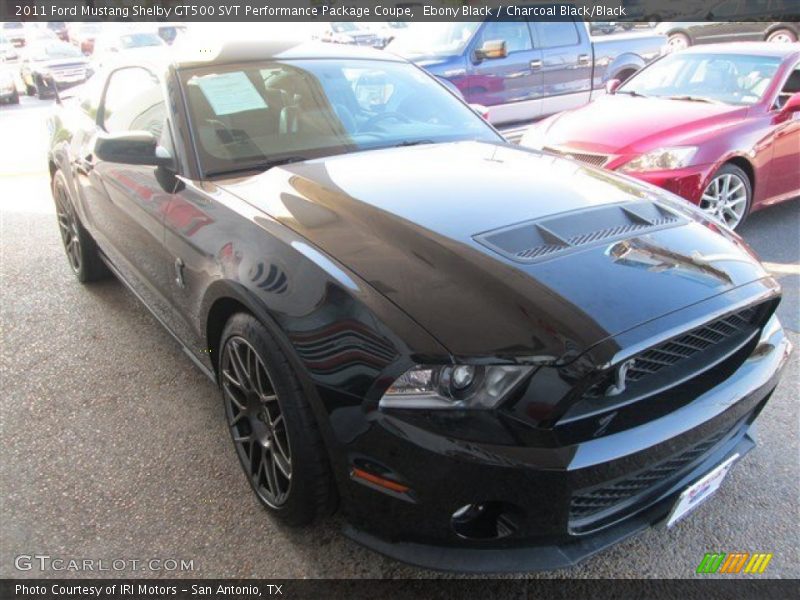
(621, 124)
(428, 226)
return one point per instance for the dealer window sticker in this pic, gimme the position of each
(230, 93)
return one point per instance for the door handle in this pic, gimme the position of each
(536, 64)
(583, 59)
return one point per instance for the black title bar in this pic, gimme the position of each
(399, 10)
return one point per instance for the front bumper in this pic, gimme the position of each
(688, 183)
(537, 485)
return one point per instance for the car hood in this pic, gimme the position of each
(621, 124)
(440, 229)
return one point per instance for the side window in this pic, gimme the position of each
(791, 87)
(133, 101)
(553, 34)
(514, 33)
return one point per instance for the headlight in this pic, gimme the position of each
(662, 159)
(453, 386)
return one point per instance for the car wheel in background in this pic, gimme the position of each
(30, 90)
(782, 36)
(271, 423)
(78, 244)
(14, 98)
(728, 196)
(678, 41)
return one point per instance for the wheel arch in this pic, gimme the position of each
(628, 63)
(745, 165)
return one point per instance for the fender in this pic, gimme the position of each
(624, 62)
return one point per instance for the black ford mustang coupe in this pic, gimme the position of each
(492, 359)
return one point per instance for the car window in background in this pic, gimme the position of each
(553, 34)
(434, 39)
(726, 78)
(12, 25)
(515, 34)
(133, 102)
(54, 50)
(140, 40)
(248, 117)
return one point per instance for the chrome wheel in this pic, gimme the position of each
(68, 226)
(677, 41)
(725, 198)
(256, 421)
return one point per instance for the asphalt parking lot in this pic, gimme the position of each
(114, 445)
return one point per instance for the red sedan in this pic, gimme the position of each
(717, 125)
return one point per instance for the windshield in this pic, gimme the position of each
(725, 78)
(437, 39)
(55, 50)
(139, 40)
(344, 27)
(247, 117)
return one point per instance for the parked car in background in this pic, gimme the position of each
(8, 86)
(764, 20)
(389, 30)
(525, 70)
(51, 65)
(8, 51)
(14, 32)
(346, 32)
(494, 359)
(170, 32)
(83, 35)
(717, 125)
(59, 28)
(127, 45)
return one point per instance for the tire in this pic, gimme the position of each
(30, 90)
(782, 36)
(14, 98)
(273, 429)
(718, 195)
(80, 248)
(678, 41)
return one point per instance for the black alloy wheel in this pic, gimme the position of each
(67, 226)
(257, 422)
(80, 248)
(272, 425)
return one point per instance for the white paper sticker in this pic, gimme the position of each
(230, 93)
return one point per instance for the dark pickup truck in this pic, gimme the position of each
(523, 70)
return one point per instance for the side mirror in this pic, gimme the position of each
(131, 148)
(612, 85)
(491, 49)
(792, 104)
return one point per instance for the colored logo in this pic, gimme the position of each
(735, 562)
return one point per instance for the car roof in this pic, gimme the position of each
(192, 54)
(748, 48)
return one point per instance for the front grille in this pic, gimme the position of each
(676, 350)
(587, 506)
(596, 160)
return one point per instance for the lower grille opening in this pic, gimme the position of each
(602, 505)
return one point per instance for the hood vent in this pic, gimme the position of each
(544, 238)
